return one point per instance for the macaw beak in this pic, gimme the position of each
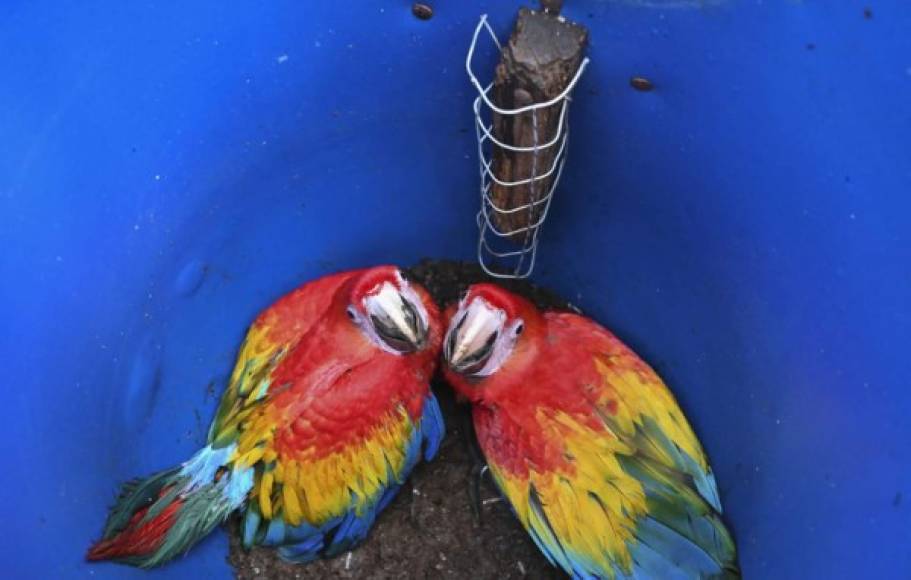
(471, 336)
(397, 319)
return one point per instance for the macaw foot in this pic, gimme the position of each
(478, 467)
(478, 470)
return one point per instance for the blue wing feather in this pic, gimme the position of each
(432, 427)
(661, 552)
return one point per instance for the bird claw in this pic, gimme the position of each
(479, 467)
(475, 477)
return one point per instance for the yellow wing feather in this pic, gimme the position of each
(314, 487)
(591, 508)
(641, 394)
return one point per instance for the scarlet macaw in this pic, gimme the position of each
(586, 442)
(324, 417)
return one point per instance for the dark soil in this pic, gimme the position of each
(430, 530)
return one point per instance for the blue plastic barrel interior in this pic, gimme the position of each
(168, 169)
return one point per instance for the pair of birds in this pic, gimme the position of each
(329, 409)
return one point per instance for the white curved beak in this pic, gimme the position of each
(472, 334)
(397, 318)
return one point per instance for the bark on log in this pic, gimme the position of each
(542, 56)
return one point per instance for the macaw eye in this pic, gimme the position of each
(519, 328)
(351, 314)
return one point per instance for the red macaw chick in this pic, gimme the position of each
(324, 417)
(586, 442)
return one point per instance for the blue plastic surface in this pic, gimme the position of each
(168, 169)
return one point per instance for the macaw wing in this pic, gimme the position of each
(271, 336)
(625, 490)
(682, 529)
(313, 497)
(633, 401)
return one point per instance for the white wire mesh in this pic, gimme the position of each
(510, 253)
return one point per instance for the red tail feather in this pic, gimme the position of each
(137, 538)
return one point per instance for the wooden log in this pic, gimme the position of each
(541, 58)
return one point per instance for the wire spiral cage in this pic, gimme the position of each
(507, 249)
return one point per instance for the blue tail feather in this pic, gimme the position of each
(352, 531)
(275, 533)
(252, 519)
(304, 551)
(305, 531)
(387, 497)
